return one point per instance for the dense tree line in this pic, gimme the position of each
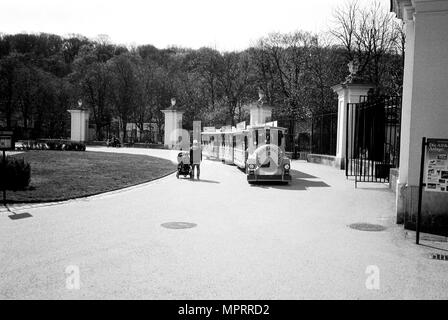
(43, 75)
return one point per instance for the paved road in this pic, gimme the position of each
(251, 242)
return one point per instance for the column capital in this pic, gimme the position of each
(172, 111)
(401, 8)
(352, 86)
(405, 9)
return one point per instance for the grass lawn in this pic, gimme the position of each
(60, 175)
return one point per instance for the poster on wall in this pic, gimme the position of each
(436, 166)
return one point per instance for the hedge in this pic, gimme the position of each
(16, 175)
(52, 144)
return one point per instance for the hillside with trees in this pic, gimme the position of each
(44, 75)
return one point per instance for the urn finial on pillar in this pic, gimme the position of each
(353, 68)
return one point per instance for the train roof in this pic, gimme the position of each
(263, 126)
(267, 127)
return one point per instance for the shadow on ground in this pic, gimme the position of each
(433, 247)
(299, 182)
(201, 180)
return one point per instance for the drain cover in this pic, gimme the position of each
(438, 256)
(178, 225)
(17, 216)
(367, 227)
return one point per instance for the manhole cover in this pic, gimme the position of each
(367, 227)
(438, 256)
(17, 216)
(178, 225)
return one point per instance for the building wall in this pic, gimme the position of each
(425, 106)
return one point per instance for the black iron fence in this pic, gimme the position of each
(290, 124)
(324, 133)
(373, 138)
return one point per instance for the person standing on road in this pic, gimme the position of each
(195, 158)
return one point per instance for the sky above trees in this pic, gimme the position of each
(43, 74)
(224, 25)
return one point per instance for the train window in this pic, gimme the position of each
(245, 143)
(268, 136)
(256, 137)
(280, 137)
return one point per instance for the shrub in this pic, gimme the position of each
(31, 145)
(16, 175)
(54, 145)
(74, 146)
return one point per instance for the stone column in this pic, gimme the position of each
(424, 110)
(260, 112)
(347, 93)
(79, 130)
(408, 16)
(173, 126)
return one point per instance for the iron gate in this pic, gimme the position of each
(373, 138)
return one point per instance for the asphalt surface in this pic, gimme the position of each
(247, 242)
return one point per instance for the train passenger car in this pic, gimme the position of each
(228, 147)
(267, 160)
(222, 146)
(210, 145)
(240, 145)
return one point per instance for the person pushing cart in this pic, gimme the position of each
(195, 158)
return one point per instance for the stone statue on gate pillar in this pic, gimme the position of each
(353, 68)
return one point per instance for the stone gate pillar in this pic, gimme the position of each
(260, 112)
(349, 91)
(173, 126)
(79, 130)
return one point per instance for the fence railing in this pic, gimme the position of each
(324, 133)
(373, 138)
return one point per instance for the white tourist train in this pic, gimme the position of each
(259, 150)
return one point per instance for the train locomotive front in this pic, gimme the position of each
(266, 159)
(258, 150)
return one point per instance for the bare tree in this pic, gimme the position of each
(345, 25)
(290, 55)
(234, 81)
(370, 35)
